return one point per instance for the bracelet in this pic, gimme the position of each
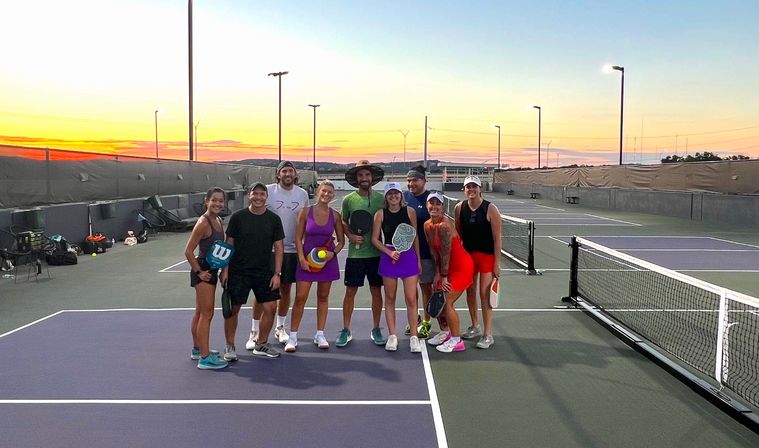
(444, 275)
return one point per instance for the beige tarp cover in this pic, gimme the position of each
(736, 177)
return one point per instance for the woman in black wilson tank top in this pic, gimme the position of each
(478, 222)
(207, 230)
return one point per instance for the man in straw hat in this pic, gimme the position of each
(363, 257)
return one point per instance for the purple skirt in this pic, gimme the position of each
(406, 266)
(329, 273)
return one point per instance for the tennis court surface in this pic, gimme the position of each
(118, 374)
(554, 377)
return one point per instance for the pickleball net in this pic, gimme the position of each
(707, 327)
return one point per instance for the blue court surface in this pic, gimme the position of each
(686, 253)
(124, 378)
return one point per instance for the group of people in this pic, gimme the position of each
(279, 239)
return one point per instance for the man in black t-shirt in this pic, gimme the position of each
(253, 231)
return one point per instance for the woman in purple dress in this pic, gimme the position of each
(314, 230)
(396, 265)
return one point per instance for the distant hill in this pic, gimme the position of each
(331, 167)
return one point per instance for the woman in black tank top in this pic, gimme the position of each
(479, 224)
(394, 265)
(203, 279)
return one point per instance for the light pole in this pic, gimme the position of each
(279, 76)
(548, 148)
(620, 69)
(191, 156)
(314, 106)
(540, 119)
(392, 167)
(405, 133)
(499, 144)
(155, 114)
(196, 140)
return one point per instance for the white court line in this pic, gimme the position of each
(695, 249)
(175, 264)
(729, 241)
(238, 402)
(30, 324)
(538, 223)
(531, 213)
(552, 208)
(615, 220)
(343, 270)
(437, 416)
(556, 238)
(310, 308)
(567, 218)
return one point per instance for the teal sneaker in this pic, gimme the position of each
(212, 362)
(343, 338)
(195, 354)
(377, 337)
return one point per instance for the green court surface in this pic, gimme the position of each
(553, 378)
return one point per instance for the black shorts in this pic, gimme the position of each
(239, 286)
(358, 268)
(194, 279)
(289, 266)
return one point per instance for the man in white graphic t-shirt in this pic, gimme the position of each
(286, 199)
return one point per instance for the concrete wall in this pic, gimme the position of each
(70, 220)
(698, 206)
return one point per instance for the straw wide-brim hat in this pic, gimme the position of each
(377, 173)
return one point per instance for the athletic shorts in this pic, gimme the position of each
(289, 266)
(358, 268)
(239, 286)
(428, 271)
(483, 263)
(194, 279)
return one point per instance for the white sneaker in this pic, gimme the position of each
(292, 345)
(392, 343)
(251, 344)
(414, 344)
(321, 341)
(281, 334)
(230, 354)
(438, 338)
(485, 342)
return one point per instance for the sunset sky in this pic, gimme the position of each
(89, 74)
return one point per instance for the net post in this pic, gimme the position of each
(531, 251)
(722, 355)
(574, 247)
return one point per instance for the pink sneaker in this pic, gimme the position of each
(451, 346)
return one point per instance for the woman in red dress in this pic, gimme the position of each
(453, 271)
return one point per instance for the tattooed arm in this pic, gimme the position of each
(446, 237)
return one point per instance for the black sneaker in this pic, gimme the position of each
(407, 331)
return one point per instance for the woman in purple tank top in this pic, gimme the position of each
(314, 232)
(207, 230)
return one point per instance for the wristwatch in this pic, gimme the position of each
(279, 274)
(198, 272)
